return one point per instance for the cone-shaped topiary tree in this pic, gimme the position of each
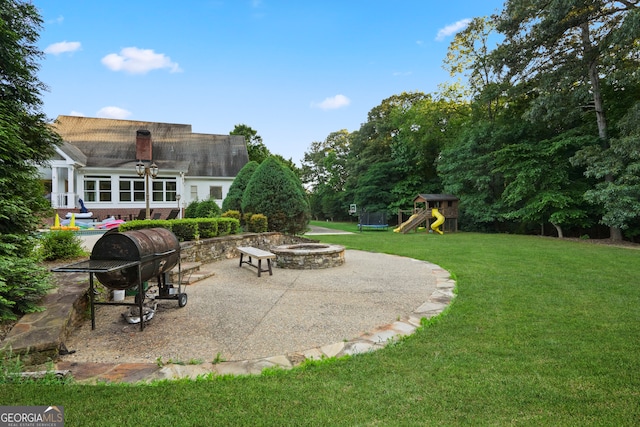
(275, 191)
(233, 201)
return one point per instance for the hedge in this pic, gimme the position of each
(188, 229)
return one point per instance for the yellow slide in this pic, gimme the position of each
(401, 226)
(438, 222)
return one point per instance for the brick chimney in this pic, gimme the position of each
(143, 145)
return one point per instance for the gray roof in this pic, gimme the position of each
(112, 144)
(436, 197)
(74, 153)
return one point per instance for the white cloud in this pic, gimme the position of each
(76, 113)
(257, 9)
(139, 61)
(58, 20)
(62, 47)
(402, 73)
(332, 103)
(113, 113)
(452, 29)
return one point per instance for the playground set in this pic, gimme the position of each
(443, 208)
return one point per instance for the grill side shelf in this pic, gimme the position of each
(95, 266)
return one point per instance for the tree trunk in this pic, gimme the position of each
(591, 59)
(559, 230)
(615, 234)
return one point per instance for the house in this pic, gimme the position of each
(97, 163)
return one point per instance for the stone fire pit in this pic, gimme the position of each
(308, 256)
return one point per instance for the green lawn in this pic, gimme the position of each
(542, 332)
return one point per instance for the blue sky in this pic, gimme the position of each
(293, 70)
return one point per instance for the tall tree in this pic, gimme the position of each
(255, 147)
(621, 196)
(558, 50)
(324, 172)
(469, 54)
(26, 140)
(325, 162)
(373, 192)
(540, 186)
(423, 130)
(372, 145)
(468, 170)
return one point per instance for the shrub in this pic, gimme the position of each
(207, 228)
(235, 226)
(228, 226)
(64, 244)
(258, 223)
(231, 214)
(223, 228)
(190, 210)
(185, 229)
(208, 209)
(145, 223)
(189, 228)
(246, 220)
(21, 286)
(12, 367)
(275, 191)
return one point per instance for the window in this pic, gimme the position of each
(131, 189)
(171, 191)
(138, 191)
(97, 189)
(125, 191)
(164, 190)
(215, 192)
(194, 192)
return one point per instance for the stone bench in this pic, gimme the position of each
(258, 254)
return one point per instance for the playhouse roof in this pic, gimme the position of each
(434, 198)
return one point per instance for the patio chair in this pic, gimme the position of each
(173, 214)
(143, 214)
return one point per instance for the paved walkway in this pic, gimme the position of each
(237, 323)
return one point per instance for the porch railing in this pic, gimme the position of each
(63, 200)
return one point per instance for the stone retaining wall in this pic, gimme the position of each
(219, 248)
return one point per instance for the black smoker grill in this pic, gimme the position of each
(125, 260)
